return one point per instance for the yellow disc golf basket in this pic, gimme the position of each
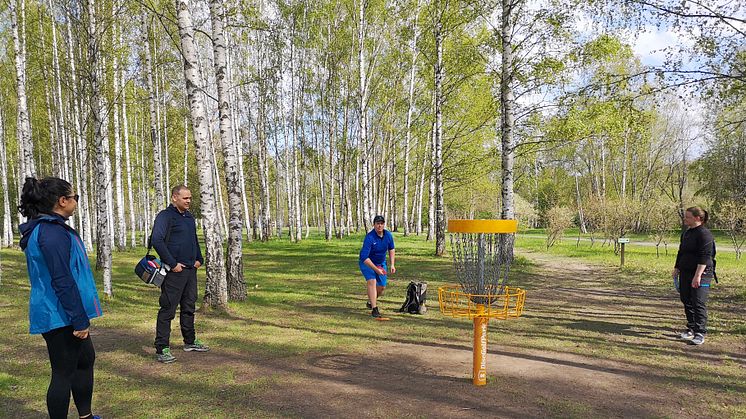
(482, 254)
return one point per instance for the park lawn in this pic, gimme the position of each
(306, 300)
(672, 236)
(643, 267)
(642, 260)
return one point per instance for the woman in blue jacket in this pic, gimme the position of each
(63, 293)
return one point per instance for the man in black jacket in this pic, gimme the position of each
(175, 239)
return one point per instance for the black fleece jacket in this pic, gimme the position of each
(182, 246)
(696, 248)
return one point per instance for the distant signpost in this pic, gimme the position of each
(623, 241)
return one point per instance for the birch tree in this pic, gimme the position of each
(103, 175)
(236, 283)
(216, 292)
(6, 239)
(23, 126)
(507, 105)
(440, 223)
(154, 135)
(410, 110)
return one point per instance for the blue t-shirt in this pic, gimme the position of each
(375, 247)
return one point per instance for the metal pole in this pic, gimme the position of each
(479, 376)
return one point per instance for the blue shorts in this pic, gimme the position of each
(370, 274)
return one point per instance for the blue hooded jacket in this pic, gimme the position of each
(63, 291)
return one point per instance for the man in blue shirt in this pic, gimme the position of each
(373, 261)
(175, 239)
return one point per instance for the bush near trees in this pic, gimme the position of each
(732, 217)
(558, 219)
(662, 218)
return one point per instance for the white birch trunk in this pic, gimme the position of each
(186, 151)
(236, 284)
(264, 171)
(51, 120)
(440, 222)
(363, 104)
(128, 163)
(80, 144)
(507, 108)
(120, 232)
(6, 239)
(64, 134)
(27, 165)
(421, 188)
(507, 124)
(103, 249)
(154, 137)
(216, 291)
(431, 190)
(166, 150)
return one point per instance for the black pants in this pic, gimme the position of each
(179, 288)
(695, 302)
(72, 370)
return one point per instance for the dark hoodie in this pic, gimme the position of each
(55, 245)
(182, 246)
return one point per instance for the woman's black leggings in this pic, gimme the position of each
(72, 370)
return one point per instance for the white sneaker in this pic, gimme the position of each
(698, 339)
(688, 335)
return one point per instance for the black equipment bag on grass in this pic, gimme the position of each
(416, 298)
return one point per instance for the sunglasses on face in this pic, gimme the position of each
(75, 197)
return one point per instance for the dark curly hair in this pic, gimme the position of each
(40, 196)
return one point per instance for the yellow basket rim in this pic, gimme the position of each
(455, 288)
(456, 303)
(482, 226)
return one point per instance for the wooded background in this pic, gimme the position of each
(286, 116)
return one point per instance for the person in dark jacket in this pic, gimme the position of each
(175, 239)
(694, 270)
(63, 293)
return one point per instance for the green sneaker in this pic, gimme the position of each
(165, 357)
(197, 346)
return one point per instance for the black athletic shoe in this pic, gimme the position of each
(375, 313)
(367, 304)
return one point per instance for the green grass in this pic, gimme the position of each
(721, 236)
(305, 304)
(642, 260)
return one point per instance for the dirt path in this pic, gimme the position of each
(565, 367)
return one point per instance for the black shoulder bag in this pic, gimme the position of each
(149, 269)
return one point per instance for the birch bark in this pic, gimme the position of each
(27, 165)
(216, 292)
(103, 241)
(154, 137)
(440, 222)
(236, 284)
(7, 233)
